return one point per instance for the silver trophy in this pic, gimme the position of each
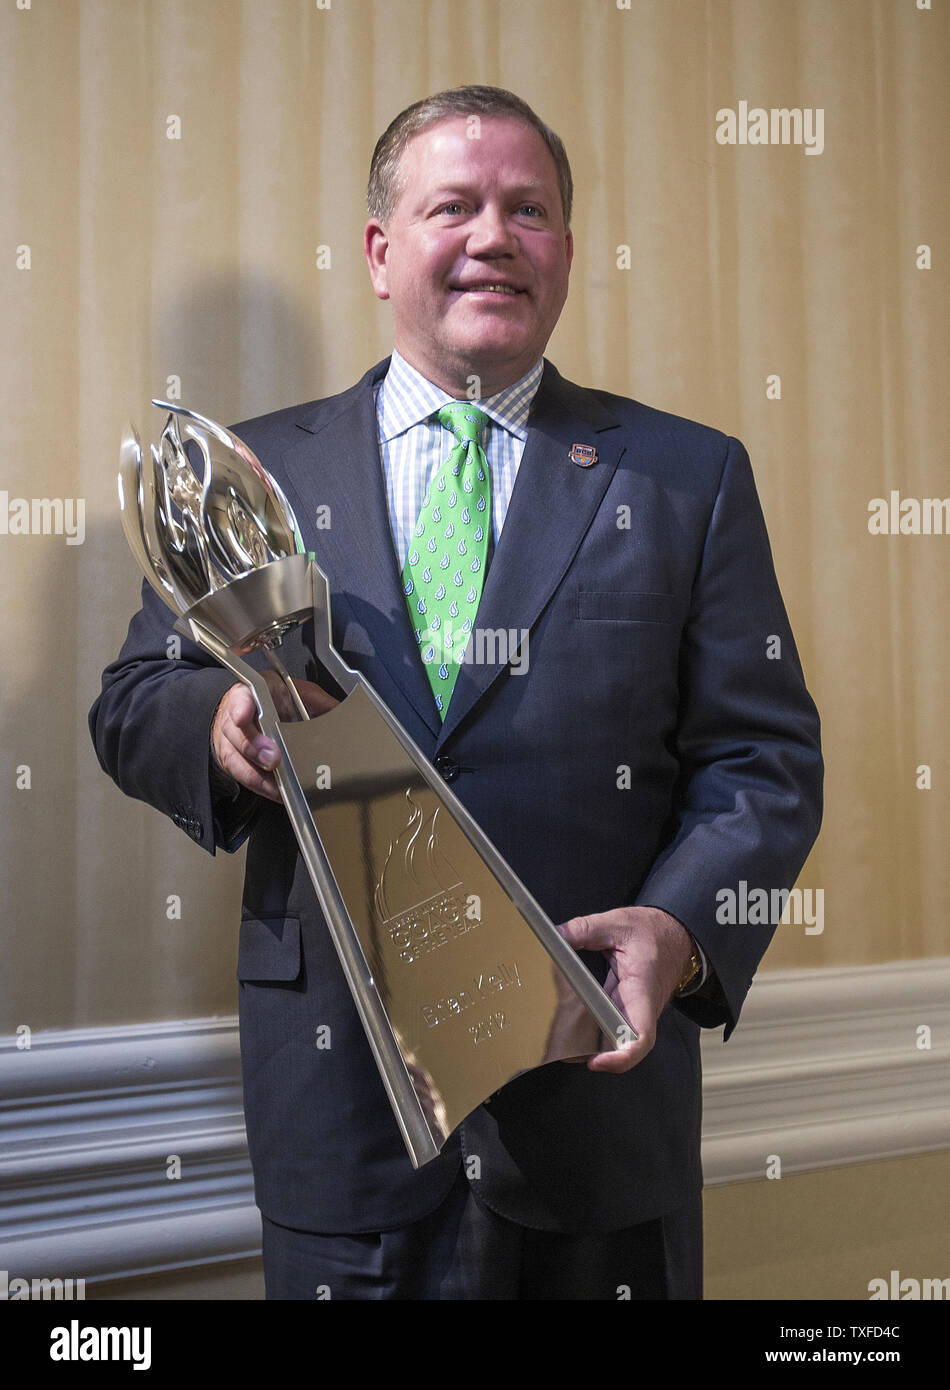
(459, 978)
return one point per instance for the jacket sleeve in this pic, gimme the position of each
(151, 728)
(750, 789)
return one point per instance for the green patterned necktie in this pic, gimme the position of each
(445, 568)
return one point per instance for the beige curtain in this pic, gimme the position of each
(171, 168)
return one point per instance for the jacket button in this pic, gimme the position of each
(448, 767)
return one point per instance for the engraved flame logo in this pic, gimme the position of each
(415, 868)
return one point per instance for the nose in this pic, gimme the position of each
(491, 234)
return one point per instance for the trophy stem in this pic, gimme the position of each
(292, 690)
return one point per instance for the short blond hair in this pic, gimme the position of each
(385, 183)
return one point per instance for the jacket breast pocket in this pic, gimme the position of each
(269, 948)
(619, 606)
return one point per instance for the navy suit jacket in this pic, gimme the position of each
(652, 753)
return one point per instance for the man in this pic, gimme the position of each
(645, 756)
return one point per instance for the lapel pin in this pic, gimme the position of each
(584, 455)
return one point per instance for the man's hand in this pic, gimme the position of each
(241, 749)
(648, 951)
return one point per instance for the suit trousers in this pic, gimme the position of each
(463, 1251)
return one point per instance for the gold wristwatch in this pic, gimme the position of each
(693, 966)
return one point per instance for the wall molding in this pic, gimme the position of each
(823, 1071)
(88, 1121)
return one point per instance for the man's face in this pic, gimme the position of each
(475, 257)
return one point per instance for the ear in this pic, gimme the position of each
(569, 248)
(376, 248)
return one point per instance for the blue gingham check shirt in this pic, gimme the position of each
(413, 447)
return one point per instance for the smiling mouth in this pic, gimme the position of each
(489, 289)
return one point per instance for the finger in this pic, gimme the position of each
(283, 703)
(240, 711)
(585, 933)
(260, 752)
(316, 699)
(241, 726)
(239, 745)
(634, 1003)
(622, 1059)
(249, 776)
(628, 1054)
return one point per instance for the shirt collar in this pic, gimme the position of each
(406, 398)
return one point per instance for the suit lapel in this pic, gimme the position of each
(553, 503)
(337, 465)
